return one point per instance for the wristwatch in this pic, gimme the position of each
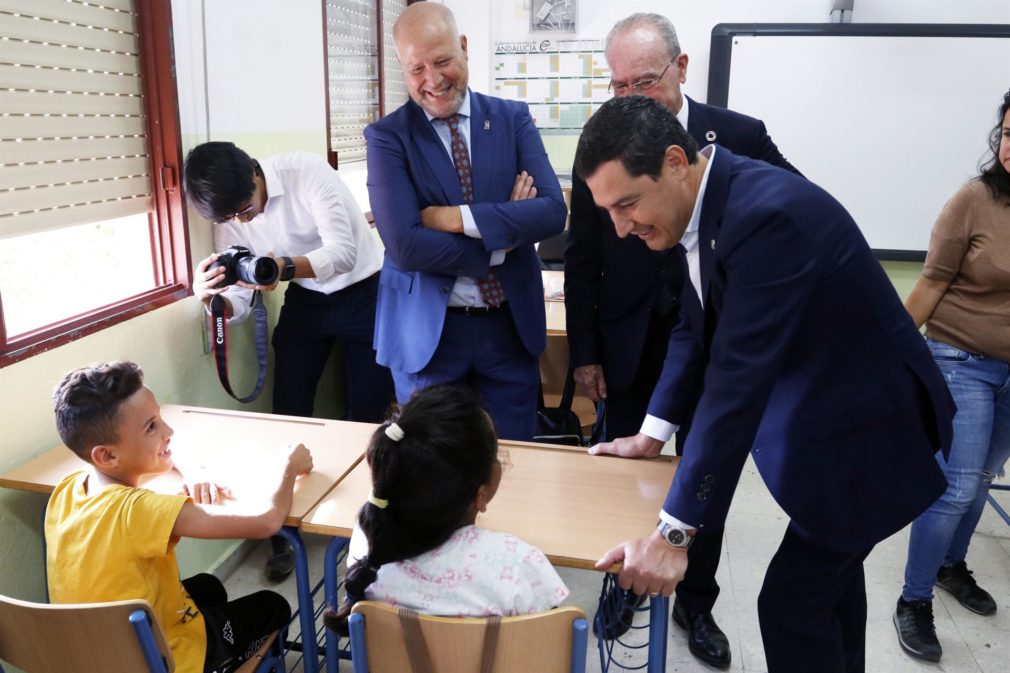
(675, 536)
(289, 269)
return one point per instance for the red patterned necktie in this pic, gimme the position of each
(491, 291)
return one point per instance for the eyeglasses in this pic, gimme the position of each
(641, 85)
(240, 215)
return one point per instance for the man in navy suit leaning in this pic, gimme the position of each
(461, 189)
(622, 299)
(793, 347)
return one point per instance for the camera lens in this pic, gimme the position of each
(258, 270)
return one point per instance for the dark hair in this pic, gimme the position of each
(635, 129)
(429, 478)
(87, 403)
(993, 173)
(219, 179)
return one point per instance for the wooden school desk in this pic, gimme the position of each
(236, 449)
(573, 506)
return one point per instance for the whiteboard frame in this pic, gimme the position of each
(721, 61)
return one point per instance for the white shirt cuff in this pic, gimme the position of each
(674, 521)
(497, 257)
(659, 429)
(469, 225)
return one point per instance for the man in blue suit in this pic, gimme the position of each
(461, 189)
(622, 299)
(794, 348)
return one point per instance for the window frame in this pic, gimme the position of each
(170, 256)
(380, 54)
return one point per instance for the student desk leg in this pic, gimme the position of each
(306, 609)
(331, 587)
(659, 614)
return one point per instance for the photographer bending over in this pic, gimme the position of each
(296, 209)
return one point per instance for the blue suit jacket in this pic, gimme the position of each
(408, 170)
(805, 357)
(611, 283)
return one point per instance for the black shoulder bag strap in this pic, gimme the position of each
(219, 337)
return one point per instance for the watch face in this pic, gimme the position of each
(676, 537)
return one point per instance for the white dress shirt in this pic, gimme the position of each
(310, 213)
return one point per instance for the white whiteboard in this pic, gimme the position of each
(890, 125)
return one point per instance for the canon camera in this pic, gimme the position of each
(240, 264)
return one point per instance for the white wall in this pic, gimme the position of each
(484, 21)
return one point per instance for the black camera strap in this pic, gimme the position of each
(219, 337)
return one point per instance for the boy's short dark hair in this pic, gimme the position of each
(219, 179)
(87, 403)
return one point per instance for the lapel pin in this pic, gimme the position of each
(713, 244)
(487, 124)
(710, 136)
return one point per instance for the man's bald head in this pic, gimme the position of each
(433, 56)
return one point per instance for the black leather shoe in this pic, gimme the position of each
(282, 559)
(916, 633)
(704, 637)
(958, 581)
(615, 614)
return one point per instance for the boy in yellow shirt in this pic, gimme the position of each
(111, 539)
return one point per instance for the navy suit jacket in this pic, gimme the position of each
(803, 356)
(409, 169)
(611, 283)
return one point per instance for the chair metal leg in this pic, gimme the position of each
(580, 640)
(145, 636)
(359, 657)
(659, 615)
(995, 505)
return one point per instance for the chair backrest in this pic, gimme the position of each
(546, 642)
(80, 638)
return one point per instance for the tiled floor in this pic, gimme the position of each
(971, 643)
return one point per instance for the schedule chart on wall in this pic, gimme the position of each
(563, 81)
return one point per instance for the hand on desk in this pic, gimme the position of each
(590, 377)
(299, 461)
(637, 446)
(206, 492)
(651, 566)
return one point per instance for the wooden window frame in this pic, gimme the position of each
(170, 256)
(331, 154)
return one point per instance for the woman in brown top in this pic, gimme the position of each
(963, 297)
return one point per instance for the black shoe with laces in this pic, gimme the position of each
(958, 581)
(916, 633)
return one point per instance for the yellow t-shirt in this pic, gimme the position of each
(116, 545)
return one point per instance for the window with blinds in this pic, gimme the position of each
(364, 80)
(90, 216)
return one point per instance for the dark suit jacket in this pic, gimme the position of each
(803, 356)
(409, 169)
(611, 283)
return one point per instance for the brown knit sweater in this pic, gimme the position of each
(970, 246)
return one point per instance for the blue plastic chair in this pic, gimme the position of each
(116, 637)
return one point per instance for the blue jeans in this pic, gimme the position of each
(940, 536)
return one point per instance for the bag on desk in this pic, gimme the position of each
(559, 425)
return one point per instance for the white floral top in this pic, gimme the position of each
(476, 573)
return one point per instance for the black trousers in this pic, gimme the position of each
(812, 609)
(310, 325)
(235, 629)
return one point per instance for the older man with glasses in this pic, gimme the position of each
(622, 300)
